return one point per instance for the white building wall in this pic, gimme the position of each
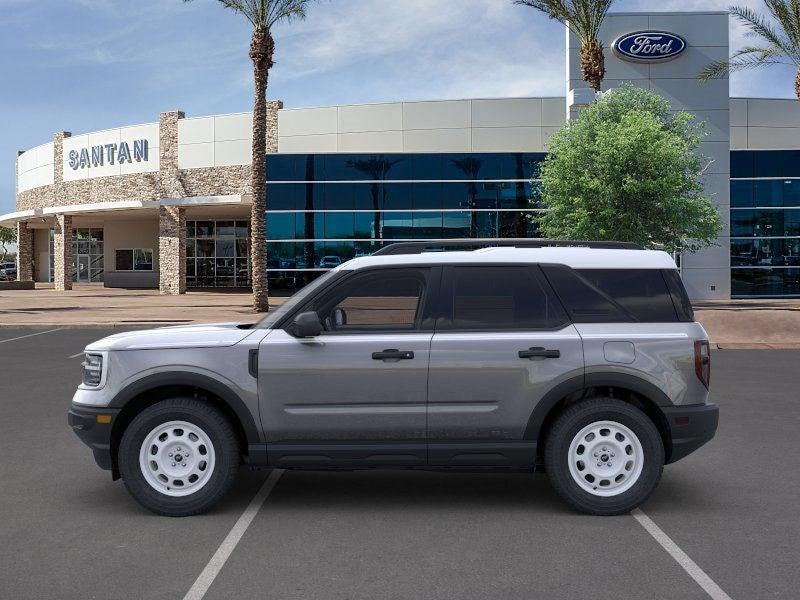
(706, 274)
(41, 254)
(35, 167)
(480, 125)
(765, 124)
(215, 141)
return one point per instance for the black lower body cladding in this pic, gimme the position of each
(690, 427)
(93, 426)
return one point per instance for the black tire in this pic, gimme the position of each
(570, 422)
(221, 435)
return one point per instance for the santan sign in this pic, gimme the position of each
(97, 156)
(649, 46)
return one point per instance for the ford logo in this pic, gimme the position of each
(649, 46)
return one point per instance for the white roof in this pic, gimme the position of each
(577, 258)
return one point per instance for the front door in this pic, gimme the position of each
(503, 341)
(356, 392)
(83, 268)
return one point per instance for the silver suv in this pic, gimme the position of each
(584, 362)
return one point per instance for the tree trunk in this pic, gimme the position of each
(593, 64)
(797, 84)
(262, 48)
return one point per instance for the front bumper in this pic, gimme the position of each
(690, 427)
(90, 425)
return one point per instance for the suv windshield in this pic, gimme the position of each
(299, 298)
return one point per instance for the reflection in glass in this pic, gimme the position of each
(217, 253)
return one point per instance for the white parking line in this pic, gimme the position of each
(695, 572)
(22, 337)
(77, 354)
(214, 566)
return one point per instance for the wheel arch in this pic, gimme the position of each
(159, 386)
(628, 388)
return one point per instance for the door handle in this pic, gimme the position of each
(539, 353)
(393, 354)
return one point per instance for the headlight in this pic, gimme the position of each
(92, 369)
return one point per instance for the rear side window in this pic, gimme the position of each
(492, 298)
(683, 306)
(614, 295)
(585, 302)
(641, 292)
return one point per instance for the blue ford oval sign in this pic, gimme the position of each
(649, 46)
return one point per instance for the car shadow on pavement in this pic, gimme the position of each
(396, 489)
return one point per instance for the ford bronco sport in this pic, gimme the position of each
(583, 362)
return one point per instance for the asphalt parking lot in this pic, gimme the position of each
(68, 531)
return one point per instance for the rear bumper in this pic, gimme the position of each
(690, 427)
(96, 435)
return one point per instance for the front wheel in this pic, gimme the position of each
(604, 456)
(178, 457)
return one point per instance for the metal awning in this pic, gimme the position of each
(11, 219)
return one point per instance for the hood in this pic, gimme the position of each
(217, 335)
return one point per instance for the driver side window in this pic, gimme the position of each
(387, 300)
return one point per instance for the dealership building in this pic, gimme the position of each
(167, 204)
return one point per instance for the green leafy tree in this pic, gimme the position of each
(263, 15)
(584, 19)
(627, 169)
(8, 236)
(778, 40)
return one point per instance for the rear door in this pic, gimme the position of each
(502, 342)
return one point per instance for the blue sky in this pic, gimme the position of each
(84, 65)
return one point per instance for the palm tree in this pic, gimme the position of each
(262, 15)
(584, 19)
(471, 167)
(377, 169)
(780, 41)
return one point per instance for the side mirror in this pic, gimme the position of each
(306, 325)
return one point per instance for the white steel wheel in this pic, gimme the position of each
(177, 458)
(605, 458)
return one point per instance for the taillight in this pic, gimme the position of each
(702, 361)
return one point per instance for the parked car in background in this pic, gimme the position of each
(8, 271)
(582, 362)
(330, 262)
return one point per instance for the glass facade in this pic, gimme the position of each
(217, 254)
(765, 223)
(324, 209)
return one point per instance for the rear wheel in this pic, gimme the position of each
(179, 457)
(604, 456)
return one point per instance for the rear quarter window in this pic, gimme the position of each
(614, 295)
(641, 292)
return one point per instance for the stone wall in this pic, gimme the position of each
(172, 250)
(24, 252)
(62, 253)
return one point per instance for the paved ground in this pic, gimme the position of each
(92, 305)
(736, 324)
(67, 531)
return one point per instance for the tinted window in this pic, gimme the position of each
(585, 302)
(680, 299)
(389, 300)
(123, 260)
(500, 298)
(641, 292)
(742, 164)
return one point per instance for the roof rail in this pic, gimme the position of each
(441, 246)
